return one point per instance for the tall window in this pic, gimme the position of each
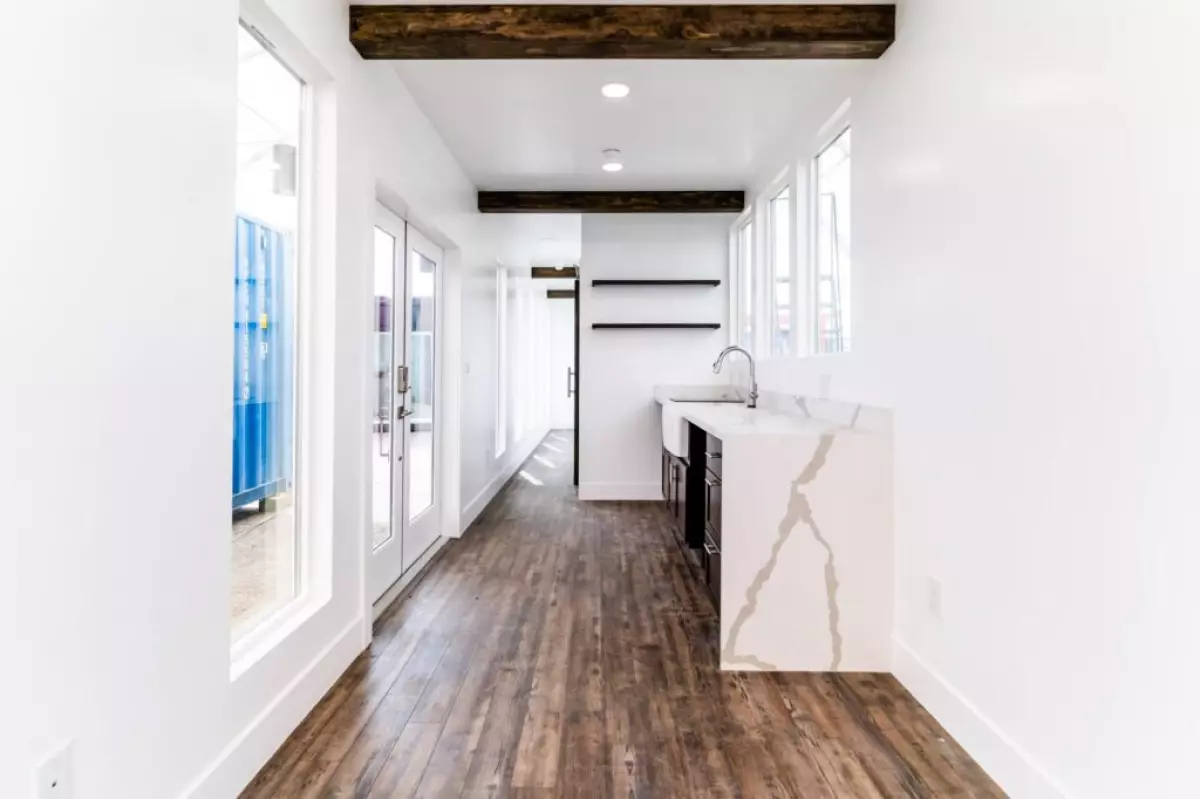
(745, 265)
(831, 311)
(265, 507)
(501, 361)
(522, 372)
(780, 301)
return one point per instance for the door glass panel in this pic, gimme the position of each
(265, 564)
(381, 424)
(421, 370)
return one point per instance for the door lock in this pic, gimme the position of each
(402, 385)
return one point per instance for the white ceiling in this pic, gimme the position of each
(539, 239)
(686, 124)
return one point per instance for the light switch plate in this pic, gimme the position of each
(54, 778)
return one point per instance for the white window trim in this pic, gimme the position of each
(837, 124)
(788, 179)
(501, 361)
(737, 310)
(800, 177)
(314, 417)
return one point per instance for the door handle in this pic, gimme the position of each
(403, 413)
(570, 381)
(402, 385)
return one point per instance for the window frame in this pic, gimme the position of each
(786, 183)
(738, 289)
(501, 439)
(313, 409)
(837, 127)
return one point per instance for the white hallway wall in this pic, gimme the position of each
(115, 419)
(1026, 184)
(620, 440)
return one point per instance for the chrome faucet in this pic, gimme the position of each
(752, 400)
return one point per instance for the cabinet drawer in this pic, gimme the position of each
(712, 570)
(666, 476)
(712, 506)
(713, 455)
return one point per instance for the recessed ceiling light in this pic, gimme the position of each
(613, 166)
(612, 161)
(614, 91)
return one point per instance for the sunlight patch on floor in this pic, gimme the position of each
(529, 478)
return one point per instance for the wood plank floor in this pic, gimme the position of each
(562, 649)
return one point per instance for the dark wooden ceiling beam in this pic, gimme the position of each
(554, 272)
(622, 31)
(611, 202)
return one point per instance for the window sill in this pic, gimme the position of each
(274, 630)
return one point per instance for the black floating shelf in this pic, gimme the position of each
(656, 282)
(656, 326)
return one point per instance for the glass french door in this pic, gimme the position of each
(404, 428)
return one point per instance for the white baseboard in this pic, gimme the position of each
(638, 492)
(409, 577)
(517, 456)
(237, 764)
(1000, 756)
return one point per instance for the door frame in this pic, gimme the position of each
(385, 565)
(578, 387)
(389, 565)
(429, 521)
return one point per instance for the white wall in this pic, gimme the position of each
(115, 312)
(620, 441)
(484, 472)
(1026, 184)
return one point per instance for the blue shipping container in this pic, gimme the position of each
(263, 363)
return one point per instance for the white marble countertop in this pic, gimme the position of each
(726, 420)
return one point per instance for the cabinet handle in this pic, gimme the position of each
(711, 549)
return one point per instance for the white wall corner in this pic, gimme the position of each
(250, 749)
(1000, 756)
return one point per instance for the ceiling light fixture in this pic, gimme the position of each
(614, 91)
(612, 161)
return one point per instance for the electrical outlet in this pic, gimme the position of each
(934, 597)
(53, 779)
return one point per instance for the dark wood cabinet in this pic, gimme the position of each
(675, 493)
(711, 560)
(713, 455)
(667, 483)
(712, 506)
(692, 491)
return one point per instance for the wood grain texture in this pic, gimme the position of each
(622, 31)
(554, 273)
(612, 202)
(560, 294)
(565, 649)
